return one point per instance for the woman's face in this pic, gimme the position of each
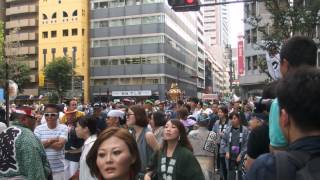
(221, 113)
(171, 132)
(114, 159)
(131, 119)
(80, 131)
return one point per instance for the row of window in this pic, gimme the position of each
(128, 81)
(252, 62)
(120, 3)
(127, 41)
(140, 60)
(127, 21)
(251, 36)
(65, 33)
(127, 61)
(64, 15)
(54, 51)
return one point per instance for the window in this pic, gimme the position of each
(53, 52)
(65, 14)
(254, 35)
(65, 32)
(253, 9)
(53, 34)
(248, 59)
(74, 32)
(116, 23)
(83, 32)
(44, 17)
(254, 62)
(247, 10)
(54, 16)
(150, 19)
(248, 36)
(75, 13)
(45, 34)
(133, 21)
(65, 51)
(103, 5)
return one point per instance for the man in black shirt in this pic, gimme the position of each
(258, 142)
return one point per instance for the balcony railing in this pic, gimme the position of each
(21, 23)
(21, 51)
(21, 9)
(21, 37)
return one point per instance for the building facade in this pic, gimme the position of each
(201, 75)
(141, 47)
(21, 28)
(63, 32)
(253, 81)
(216, 23)
(2, 10)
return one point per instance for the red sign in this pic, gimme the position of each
(240, 58)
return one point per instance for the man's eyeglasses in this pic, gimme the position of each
(51, 114)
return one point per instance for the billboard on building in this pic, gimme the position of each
(240, 58)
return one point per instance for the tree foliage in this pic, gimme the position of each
(1, 40)
(288, 18)
(59, 72)
(17, 70)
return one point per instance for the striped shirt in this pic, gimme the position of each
(55, 157)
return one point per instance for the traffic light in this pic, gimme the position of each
(184, 5)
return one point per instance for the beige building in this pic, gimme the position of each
(2, 10)
(22, 15)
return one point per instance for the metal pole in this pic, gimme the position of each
(7, 91)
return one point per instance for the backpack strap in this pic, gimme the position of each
(285, 160)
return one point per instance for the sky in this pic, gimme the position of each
(236, 23)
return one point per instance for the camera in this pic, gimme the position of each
(262, 105)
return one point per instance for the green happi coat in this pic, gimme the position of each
(22, 154)
(181, 166)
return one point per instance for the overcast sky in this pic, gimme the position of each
(236, 22)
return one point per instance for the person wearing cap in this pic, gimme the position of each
(148, 106)
(258, 142)
(53, 137)
(114, 117)
(100, 117)
(22, 154)
(204, 143)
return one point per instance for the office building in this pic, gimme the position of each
(253, 81)
(63, 32)
(21, 29)
(140, 47)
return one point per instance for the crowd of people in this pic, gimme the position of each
(274, 137)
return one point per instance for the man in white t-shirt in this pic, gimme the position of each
(53, 137)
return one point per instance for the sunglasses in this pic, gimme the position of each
(51, 114)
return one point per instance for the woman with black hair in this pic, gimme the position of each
(157, 123)
(87, 130)
(220, 128)
(175, 160)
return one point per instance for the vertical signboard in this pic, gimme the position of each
(240, 58)
(1, 95)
